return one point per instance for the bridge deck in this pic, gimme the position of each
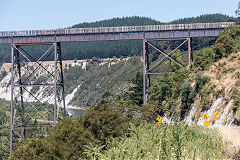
(115, 33)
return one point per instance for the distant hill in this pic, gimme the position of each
(207, 18)
(124, 21)
(84, 50)
(136, 21)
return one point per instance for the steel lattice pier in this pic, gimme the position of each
(26, 105)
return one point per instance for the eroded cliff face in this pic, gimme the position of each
(39, 75)
(74, 72)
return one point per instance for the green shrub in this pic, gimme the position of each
(227, 70)
(224, 46)
(235, 96)
(65, 142)
(103, 122)
(204, 58)
(237, 114)
(179, 77)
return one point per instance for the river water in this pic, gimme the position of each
(74, 112)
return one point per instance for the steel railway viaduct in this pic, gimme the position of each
(22, 121)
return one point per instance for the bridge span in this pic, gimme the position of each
(20, 84)
(168, 31)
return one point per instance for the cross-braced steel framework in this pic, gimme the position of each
(29, 109)
(148, 70)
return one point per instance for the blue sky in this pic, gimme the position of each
(52, 14)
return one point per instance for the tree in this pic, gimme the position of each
(238, 12)
(162, 88)
(137, 90)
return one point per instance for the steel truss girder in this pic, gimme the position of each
(147, 70)
(21, 120)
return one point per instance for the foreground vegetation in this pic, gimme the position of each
(150, 141)
(104, 133)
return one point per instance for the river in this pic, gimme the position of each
(74, 112)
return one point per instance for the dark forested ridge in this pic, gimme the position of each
(205, 19)
(104, 49)
(124, 21)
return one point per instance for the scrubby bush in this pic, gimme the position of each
(103, 122)
(179, 77)
(200, 81)
(233, 31)
(187, 97)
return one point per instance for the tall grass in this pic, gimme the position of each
(166, 142)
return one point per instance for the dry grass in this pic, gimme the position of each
(228, 79)
(231, 135)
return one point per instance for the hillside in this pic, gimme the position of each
(84, 50)
(220, 93)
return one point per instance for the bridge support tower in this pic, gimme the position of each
(29, 110)
(148, 70)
